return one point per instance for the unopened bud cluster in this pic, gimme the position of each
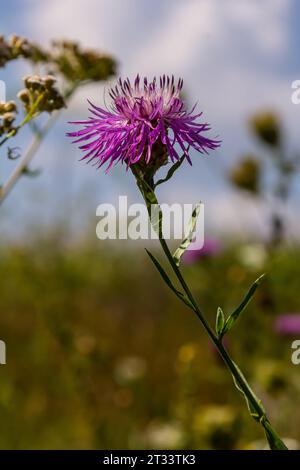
(7, 116)
(41, 90)
(77, 64)
(17, 46)
(65, 57)
(246, 174)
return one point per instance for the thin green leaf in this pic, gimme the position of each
(171, 171)
(235, 315)
(167, 280)
(251, 409)
(274, 440)
(220, 321)
(189, 237)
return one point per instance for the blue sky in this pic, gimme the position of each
(236, 57)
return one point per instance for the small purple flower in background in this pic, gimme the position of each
(288, 324)
(142, 115)
(210, 249)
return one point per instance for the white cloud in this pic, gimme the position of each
(219, 47)
(264, 22)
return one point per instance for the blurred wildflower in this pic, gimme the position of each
(137, 130)
(16, 47)
(266, 126)
(165, 435)
(246, 174)
(253, 256)
(210, 249)
(129, 369)
(77, 64)
(288, 324)
(217, 425)
(85, 344)
(187, 353)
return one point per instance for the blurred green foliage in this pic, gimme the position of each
(95, 359)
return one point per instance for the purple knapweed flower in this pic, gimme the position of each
(142, 115)
(288, 324)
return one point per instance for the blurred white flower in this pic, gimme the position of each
(165, 436)
(253, 256)
(130, 368)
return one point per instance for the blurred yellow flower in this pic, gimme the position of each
(187, 352)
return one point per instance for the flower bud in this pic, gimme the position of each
(34, 83)
(266, 126)
(24, 96)
(8, 119)
(49, 81)
(2, 107)
(10, 106)
(245, 175)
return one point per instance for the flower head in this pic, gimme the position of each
(148, 121)
(288, 324)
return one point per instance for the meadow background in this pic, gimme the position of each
(99, 353)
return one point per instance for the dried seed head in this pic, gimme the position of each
(8, 117)
(2, 107)
(34, 83)
(77, 64)
(10, 106)
(24, 96)
(246, 174)
(49, 81)
(7, 120)
(266, 126)
(42, 89)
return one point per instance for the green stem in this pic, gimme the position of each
(274, 441)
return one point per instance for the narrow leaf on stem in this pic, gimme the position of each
(252, 410)
(168, 281)
(171, 171)
(189, 235)
(235, 315)
(220, 321)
